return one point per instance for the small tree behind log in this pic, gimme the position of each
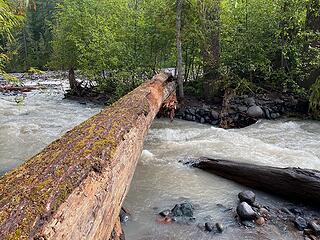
(291, 183)
(75, 187)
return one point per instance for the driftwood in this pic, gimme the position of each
(75, 187)
(302, 185)
(16, 89)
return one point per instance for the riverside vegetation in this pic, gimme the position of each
(250, 47)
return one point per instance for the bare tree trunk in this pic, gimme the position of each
(179, 48)
(313, 25)
(292, 183)
(211, 51)
(75, 187)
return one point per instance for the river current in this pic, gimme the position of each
(160, 181)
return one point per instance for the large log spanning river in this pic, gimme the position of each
(160, 180)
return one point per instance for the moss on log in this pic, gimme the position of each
(75, 187)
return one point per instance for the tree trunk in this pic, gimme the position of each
(211, 50)
(72, 80)
(179, 48)
(291, 183)
(75, 187)
(313, 25)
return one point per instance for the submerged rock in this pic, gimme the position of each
(247, 196)
(208, 226)
(245, 211)
(183, 210)
(219, 227)
(300, 223)
(165, 213)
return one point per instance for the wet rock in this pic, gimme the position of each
(245, 211)
(260, 221)
(183, 210)
(214, 115)
(202, 120)
(264, 212)
(300, 223)
(208, 226)
(255, 112)
(247, 196)
(250, 101)
(248, 224)
(219, 227)
(315, 226)
(286, 211)
(296, 211)
(242, 109)
(165, 213)
(124, 217)
(275, 115)
(267, 113)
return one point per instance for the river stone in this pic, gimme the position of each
(260, 221)
(300, 223)
(255, 112)
(219, 227)
(315, 226)
(250, 102)
(165, 213)
(209, 226)
(245, 211)
(242, 109)
(124, 217)
(183, 210)
(248, 224)
(214, 115)
(247, 196)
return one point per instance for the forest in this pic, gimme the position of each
(159, 119)
(249, 46)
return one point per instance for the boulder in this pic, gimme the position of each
(255, 112)
(245, 211)
(247, 196)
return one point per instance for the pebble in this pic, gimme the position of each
(260, 221)
(247, 196)
(245, 211)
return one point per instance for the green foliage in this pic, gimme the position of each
(315, 99)
(33, 70)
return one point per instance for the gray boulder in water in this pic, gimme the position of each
(245, 211)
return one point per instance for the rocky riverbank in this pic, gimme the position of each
(242, 111)
(301, 222)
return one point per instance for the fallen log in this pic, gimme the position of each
(75, 187)
(302, 185)
(16, 89)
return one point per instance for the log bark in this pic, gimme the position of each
(302, 185)
(75, 187)
(16, 89)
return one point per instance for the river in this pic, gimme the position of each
(160, 180)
